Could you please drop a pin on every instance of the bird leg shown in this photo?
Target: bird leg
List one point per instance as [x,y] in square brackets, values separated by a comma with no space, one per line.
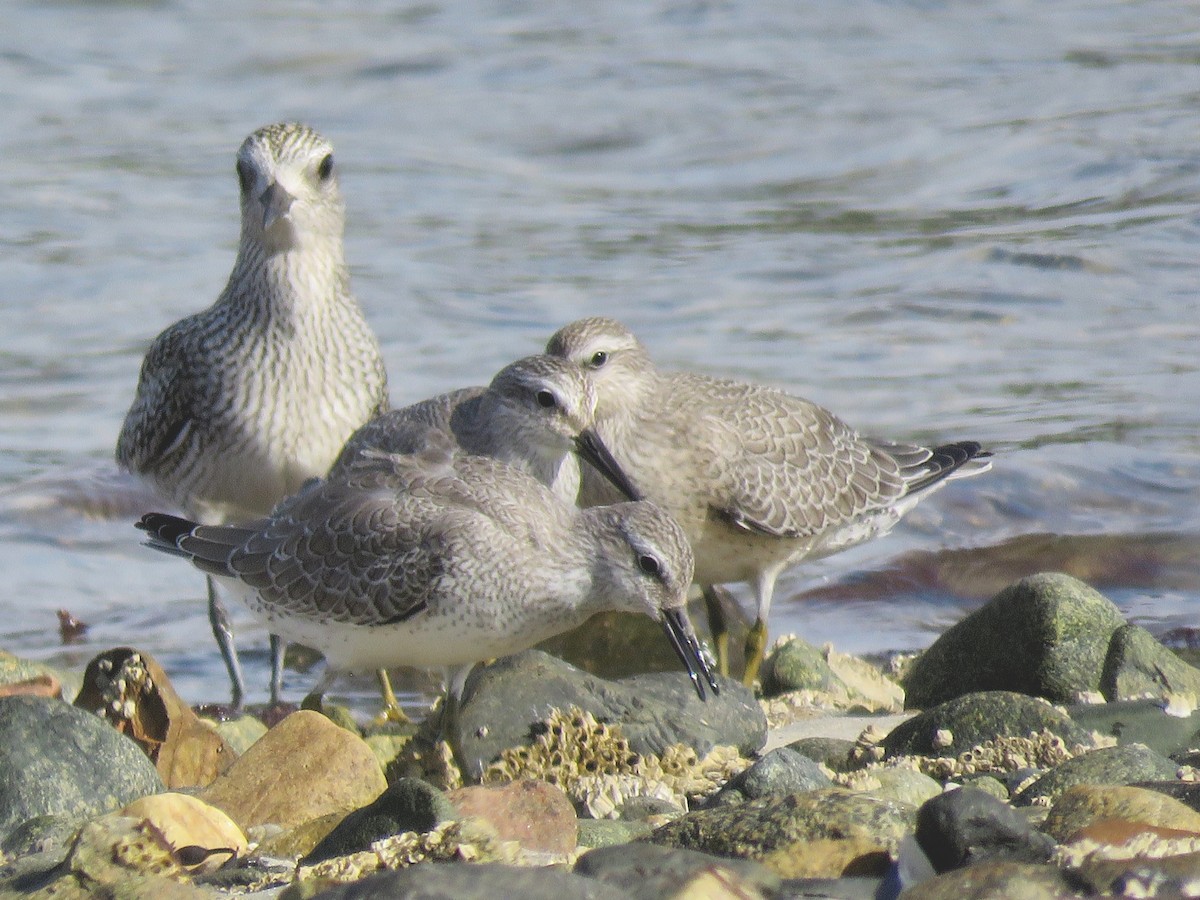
[218,617]
[278,647]
[718,625]
[392,712]
[756,648]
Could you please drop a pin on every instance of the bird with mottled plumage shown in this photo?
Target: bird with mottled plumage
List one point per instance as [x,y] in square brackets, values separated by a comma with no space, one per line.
[759,479]
[238,405]
[536,415]
[442,559]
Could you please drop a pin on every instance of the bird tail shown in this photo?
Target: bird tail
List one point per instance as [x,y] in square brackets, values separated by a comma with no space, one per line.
[923,467]
[165,532]
[208,547]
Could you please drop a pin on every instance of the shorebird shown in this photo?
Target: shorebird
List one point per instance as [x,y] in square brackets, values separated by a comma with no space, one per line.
[536,415]
[759,479]
[442,559]
[238,405]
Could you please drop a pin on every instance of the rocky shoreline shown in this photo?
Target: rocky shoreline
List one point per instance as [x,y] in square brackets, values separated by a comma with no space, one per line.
[1042,747]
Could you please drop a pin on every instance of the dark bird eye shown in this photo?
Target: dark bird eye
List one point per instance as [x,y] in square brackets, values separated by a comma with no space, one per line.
[599,358]
[245,176]
[648,564]
[545,399]
[325,169]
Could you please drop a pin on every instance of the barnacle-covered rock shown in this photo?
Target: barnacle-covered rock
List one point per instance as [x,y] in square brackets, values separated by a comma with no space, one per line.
[594,764]
[131,691]
[463,840]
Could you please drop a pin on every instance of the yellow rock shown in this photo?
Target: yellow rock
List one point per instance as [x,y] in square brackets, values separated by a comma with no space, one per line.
[202,836]
[303,768]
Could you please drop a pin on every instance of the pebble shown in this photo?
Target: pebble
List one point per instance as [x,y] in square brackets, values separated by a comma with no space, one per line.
[780,772]
[300,770]
[967,826]
[406,805]
[538,816]
[203,837]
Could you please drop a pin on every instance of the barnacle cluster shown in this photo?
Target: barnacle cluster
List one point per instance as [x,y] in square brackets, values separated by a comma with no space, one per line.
[466,840]
[1039,750]
[594,764]
[121,686]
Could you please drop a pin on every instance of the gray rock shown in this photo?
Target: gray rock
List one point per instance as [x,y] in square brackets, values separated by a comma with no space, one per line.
[782,771]
[903,784]
[834,753]
[649,872]
[1108,765]
[1140,722]
[485,881]
[1139,666]
[995,879]
[975,718]
[409,804]
[504,701]
[966,826]
[609,832]
[757,827]
[852,887]
[59,760]
[1046,635]
[796,666]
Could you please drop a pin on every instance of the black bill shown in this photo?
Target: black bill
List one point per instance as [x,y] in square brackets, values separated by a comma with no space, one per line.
[683,638]
[589,446]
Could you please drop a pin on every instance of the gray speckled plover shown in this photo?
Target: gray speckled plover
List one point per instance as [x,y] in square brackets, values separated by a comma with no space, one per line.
[238,405]
[758,479]
[442,559]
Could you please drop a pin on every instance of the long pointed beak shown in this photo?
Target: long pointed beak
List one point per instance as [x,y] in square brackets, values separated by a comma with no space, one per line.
[589,446]
[683,638]
[276,203]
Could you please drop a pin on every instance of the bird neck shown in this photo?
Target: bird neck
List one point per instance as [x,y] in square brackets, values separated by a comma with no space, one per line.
[298,281]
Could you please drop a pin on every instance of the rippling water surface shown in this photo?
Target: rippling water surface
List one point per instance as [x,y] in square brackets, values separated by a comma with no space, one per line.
[940,220]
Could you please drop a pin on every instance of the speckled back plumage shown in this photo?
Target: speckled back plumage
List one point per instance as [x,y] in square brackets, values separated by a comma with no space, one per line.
[239,404]
[528,417]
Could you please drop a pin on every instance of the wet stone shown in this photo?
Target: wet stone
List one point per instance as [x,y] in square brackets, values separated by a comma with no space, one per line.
[782,771]
[967,826]
[485,881]
[505,701]
[1139,666]
[56,759]
[1086,804]
[1108,765]
[970,720]
[648,872]
[757,829]
[1046,635]
[407,805]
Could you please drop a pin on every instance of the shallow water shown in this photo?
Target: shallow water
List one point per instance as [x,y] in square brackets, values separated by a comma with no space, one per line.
[939,220]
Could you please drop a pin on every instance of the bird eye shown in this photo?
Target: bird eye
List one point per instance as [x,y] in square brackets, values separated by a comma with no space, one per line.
[325,169]
[245,176]
[545,399]
[648,564]
[599,358]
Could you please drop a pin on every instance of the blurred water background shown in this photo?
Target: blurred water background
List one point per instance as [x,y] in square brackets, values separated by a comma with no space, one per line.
[941,220]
